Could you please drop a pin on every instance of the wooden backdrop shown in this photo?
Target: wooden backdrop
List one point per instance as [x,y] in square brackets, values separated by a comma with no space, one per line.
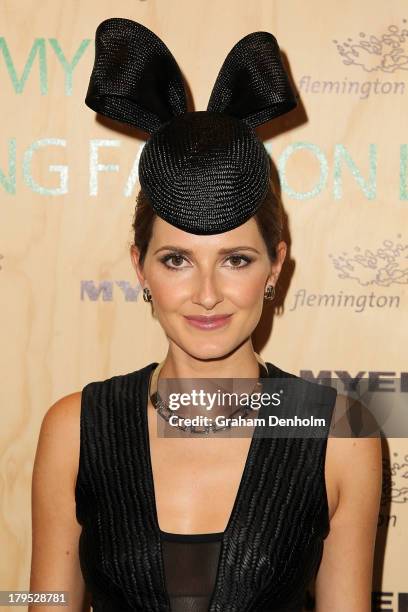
[71,310]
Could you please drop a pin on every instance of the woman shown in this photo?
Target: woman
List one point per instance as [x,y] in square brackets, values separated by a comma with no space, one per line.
[195,523]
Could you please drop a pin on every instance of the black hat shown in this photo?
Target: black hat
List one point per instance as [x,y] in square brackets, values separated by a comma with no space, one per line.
[205,172]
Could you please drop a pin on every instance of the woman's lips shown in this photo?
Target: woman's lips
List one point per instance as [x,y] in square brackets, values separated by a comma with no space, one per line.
[209,322]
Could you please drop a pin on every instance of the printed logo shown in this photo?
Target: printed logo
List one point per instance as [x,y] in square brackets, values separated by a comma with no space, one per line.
[395,480]
[94,291]
[387,53]
[389,600]
[385,266]
[394,489]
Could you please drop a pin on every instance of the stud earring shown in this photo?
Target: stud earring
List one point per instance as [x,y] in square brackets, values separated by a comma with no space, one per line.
[269,293]
[147,296]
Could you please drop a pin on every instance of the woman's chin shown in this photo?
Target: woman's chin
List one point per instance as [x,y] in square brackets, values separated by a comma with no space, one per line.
[208,350]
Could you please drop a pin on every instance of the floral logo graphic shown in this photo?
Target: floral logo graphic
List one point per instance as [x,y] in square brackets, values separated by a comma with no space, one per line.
[387,53]
[395,480]
[388,265]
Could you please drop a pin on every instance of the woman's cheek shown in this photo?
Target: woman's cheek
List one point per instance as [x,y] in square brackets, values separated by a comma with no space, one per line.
[168,292]
[245,292]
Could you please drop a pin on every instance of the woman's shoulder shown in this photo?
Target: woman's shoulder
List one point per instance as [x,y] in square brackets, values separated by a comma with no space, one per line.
[60,430]
[62,416]
[352,419]
[59,437]
[63,413]
[354,458]
[66,411]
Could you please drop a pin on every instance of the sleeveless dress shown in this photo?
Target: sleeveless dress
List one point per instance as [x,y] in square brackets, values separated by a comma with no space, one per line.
[273,543]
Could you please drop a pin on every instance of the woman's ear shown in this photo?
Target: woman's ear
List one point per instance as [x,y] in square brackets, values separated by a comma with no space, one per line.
[281,249]
[135,257]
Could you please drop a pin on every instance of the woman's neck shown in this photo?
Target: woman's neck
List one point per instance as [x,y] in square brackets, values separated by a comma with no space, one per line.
[239,364]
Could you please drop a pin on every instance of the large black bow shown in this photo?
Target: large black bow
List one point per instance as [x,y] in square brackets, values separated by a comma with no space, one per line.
[136,80]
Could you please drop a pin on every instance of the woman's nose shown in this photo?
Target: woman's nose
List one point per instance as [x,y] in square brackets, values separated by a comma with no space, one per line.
[208,291]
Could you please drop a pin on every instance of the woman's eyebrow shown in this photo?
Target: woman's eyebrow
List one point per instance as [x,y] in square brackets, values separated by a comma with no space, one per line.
[221,251]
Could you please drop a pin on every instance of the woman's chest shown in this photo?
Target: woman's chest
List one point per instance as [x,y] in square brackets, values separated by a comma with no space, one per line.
[196,480]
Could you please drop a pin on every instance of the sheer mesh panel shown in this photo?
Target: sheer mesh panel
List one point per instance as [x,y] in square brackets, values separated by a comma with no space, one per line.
[190,566]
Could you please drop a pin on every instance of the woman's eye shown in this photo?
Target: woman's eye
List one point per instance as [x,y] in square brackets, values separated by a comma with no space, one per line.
[238,258]
[172,257]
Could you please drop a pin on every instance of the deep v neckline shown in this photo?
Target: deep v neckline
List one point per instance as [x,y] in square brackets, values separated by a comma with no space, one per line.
[224,535]
[149,457]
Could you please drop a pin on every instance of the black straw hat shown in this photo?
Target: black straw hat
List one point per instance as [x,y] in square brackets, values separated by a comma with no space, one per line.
[205,172]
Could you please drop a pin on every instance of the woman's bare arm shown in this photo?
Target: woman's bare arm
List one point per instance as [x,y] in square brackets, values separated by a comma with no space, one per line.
[344,579]
[55,530]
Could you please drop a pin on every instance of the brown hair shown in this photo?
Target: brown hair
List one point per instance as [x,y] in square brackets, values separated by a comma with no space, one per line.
[269,218]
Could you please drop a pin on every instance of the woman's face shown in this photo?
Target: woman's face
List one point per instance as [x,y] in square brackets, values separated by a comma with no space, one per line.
[192,275]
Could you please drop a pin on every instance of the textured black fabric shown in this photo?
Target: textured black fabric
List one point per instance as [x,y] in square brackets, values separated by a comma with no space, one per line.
[205,172]
[273,542]
[135,78]
[253,84]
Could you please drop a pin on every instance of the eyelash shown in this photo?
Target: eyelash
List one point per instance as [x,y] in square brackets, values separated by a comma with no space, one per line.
[176,255]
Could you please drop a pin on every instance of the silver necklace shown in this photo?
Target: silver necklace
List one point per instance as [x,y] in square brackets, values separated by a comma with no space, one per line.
[165,412]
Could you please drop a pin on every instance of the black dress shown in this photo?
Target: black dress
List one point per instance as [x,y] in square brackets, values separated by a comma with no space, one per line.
[262,562]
